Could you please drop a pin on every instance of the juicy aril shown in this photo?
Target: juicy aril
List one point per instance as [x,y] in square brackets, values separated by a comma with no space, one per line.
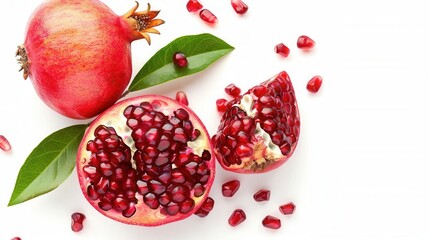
[259,129]
[77,53]
[147,161]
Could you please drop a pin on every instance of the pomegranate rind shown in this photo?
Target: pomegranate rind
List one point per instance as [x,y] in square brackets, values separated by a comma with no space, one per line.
[114,117]
[260,160]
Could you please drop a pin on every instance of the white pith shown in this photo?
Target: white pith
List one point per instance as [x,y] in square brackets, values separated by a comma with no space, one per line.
[271,150]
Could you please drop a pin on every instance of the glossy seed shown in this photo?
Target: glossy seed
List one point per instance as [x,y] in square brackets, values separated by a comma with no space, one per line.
[271,222]
[237,217]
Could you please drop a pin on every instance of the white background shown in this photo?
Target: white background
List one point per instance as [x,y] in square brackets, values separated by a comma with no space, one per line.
[360,170]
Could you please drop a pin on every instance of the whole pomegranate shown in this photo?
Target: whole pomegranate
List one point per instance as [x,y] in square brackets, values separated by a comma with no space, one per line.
[77,53]
[146,161]
[259,129]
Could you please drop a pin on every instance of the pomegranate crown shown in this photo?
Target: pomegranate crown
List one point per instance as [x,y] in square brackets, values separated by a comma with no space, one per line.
[144,22]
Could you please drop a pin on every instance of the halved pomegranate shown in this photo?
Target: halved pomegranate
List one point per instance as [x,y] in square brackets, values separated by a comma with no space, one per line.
[259,130]
[146,161]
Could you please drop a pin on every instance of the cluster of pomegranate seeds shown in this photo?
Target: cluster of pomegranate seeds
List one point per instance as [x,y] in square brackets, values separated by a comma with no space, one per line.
[182,98]
[262,195]
[180,60]
[282,49]
[194,6]
[314,84]
[208,17]
[77,221]
[230,188]
[271,222]
[4,144]
[206,208]
[239,6]
[287,209]
[232,90]
[305,42]
[238,216]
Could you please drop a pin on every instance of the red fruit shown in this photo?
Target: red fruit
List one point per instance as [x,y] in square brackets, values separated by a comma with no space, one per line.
[180,60]
[193,6]
[232,90]
[305,42]
[77,221]
[221,105]
[239,6]
[182,98]
[271,222]
[4,144]
[262,195]
[314,84]
[230,188]
[146,161]
[237,217]
[206,208]
[208,16]
[77,53]
[288,208]
[282,49]
[260,129]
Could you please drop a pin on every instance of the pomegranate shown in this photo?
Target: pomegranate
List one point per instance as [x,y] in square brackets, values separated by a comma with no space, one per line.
[146,161]
[77,53]
[259,130]
[271,222]
[77,221]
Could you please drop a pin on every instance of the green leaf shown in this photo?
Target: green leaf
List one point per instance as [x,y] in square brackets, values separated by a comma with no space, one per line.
[201,51]
[48,165]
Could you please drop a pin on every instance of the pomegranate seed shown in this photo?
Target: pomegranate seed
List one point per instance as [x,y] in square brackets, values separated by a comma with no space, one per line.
[193,6]
[4,144]
[180,60]
[232,90]
[182,98]
[221,105]
[208,16]
[77,221]
[314,84]
[16,238]
[205,209]
[305,42]
[282,49]
[230,188]
[287,209]
[237,217]
[239,6]
[262,195]
[271,222]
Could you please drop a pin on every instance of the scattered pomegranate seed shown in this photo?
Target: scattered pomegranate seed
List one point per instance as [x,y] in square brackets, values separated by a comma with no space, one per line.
[77,221]
[237,217]
[221,105]
[208,16]
[180,60]
[287,209]
[305,42]
[282,49]
[262,195]
[230,188]
[232,90]
[205,209]
[4,144]
[16,238]
[194,6]
[239,6]
[182,98]
[314,84]
[271,222]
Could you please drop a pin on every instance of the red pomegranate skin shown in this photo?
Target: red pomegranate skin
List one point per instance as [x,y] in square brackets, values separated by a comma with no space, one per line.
[79,55]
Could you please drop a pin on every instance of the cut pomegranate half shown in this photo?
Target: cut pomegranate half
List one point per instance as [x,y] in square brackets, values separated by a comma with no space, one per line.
[146,161]
[259,130]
